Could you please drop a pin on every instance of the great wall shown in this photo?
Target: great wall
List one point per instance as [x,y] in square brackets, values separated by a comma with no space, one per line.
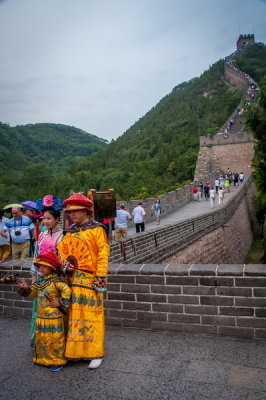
[187,276]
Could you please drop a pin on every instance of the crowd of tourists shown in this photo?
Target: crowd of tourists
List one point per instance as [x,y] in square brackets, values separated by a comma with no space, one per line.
[252,89]
[217,189]
[68,281]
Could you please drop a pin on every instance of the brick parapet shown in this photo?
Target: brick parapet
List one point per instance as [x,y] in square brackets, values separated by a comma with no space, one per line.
[216,299]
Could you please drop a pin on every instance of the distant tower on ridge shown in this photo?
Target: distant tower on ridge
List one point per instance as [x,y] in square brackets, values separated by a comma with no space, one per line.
[245,40]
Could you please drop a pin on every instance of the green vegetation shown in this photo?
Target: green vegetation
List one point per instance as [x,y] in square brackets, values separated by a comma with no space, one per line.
[255,252]
[32,158]
[253,61]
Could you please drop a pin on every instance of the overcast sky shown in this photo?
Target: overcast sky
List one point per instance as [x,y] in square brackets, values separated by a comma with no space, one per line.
[100,65]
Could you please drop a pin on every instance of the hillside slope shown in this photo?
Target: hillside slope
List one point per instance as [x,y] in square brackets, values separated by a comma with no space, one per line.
[31,153]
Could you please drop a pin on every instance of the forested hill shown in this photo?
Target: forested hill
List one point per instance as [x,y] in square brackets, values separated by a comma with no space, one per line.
[32,153]
[159,152]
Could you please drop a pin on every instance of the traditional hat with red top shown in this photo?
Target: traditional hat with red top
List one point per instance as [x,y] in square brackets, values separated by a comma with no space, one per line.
[47,259]
[78,202]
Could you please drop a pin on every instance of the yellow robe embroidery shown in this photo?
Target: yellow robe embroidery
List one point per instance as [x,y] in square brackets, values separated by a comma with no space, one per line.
[85,339]
[49,331]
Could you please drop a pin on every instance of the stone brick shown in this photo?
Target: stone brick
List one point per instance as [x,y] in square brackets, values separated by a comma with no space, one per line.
[23,304]
[130,269]
[115,305]
[121,279]
[230,269]
[165,289]
[6,302]
[201,270]
[250,302]
[121,296]
[216,281]
[113,321]
[234,291]
[200,290]
[123,314]
[207,329]
[127,305]
[178,269]
[250,282]
[113,268]
[252,322]
[211,310]
[114,287]
[218,320]
[261,292]
[171,308]
[167,326]
[131,323]
[216,300]
[13,311]
[237,311]
[11,295]
[153,298]
[260,313]
[153,316]
[151,280]
[191,318]
[155,269]
[182,280]
[183,299]
[236,331]
[260,333]
[255,270]
[128,287]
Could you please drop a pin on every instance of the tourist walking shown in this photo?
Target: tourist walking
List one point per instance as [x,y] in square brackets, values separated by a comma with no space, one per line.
[221,196]
[121,222]
[212,197]
[139,216]
[158,208]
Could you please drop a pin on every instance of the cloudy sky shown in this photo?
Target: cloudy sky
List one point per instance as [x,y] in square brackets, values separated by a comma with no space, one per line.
[102,64]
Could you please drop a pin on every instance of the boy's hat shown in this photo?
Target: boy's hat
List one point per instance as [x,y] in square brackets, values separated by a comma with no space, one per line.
[47,259]
[78,202]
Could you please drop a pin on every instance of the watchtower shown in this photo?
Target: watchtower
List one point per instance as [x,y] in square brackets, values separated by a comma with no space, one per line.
[245,40]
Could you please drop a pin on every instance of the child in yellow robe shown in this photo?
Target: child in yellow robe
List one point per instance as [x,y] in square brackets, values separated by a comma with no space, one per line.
[53,296]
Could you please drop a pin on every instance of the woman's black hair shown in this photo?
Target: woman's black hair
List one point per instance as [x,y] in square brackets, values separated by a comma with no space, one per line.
[2,211]
[54,213]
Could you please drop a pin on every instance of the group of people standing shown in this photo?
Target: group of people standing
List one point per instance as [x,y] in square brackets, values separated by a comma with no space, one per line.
[68,282]
[221,186]
[138,216]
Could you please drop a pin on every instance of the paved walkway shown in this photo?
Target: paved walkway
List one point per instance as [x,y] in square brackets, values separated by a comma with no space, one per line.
[139,365]
[192,209]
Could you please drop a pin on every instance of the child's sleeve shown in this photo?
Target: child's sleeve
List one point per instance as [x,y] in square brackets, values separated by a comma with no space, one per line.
[65,294]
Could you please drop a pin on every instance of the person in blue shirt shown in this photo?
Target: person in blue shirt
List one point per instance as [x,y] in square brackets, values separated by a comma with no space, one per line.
[19,229]
[121,221]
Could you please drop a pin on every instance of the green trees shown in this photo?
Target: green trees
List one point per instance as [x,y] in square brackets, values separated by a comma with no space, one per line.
[256,122]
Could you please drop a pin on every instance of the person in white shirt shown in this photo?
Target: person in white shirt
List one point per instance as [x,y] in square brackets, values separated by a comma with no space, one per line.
[212,197]
[241,177]
[217,184]
[220,196]
[139,218]
[121,221]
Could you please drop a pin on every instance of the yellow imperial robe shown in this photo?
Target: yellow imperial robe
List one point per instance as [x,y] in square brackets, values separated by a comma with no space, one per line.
[49,331]
[87,249]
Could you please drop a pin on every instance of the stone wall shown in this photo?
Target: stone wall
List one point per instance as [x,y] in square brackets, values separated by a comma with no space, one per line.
[170,201]
[160,243]
[223,300]
[227,244]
